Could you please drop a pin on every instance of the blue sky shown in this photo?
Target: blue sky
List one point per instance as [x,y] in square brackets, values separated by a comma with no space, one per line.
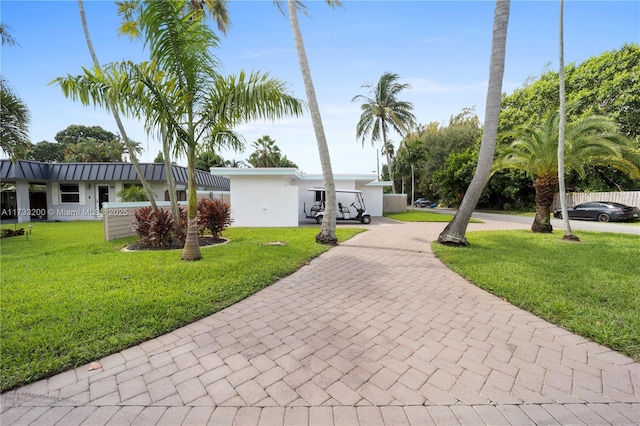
[440,48]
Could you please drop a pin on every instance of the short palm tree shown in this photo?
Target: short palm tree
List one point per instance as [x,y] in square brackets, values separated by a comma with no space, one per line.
[181,93]
[591,140]
[382,111]
[266,154]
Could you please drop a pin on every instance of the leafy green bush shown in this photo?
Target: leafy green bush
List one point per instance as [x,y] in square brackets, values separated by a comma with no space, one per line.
[133,193]
[6,232]
[213,215]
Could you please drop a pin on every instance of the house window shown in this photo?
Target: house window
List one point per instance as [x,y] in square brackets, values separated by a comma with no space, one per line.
[69,193]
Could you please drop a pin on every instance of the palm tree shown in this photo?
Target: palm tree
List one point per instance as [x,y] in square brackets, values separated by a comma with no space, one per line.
[129,11]
[454,232]
[411,151]
[14,123]
[238,164]
[591,140]
[14,114]
[568,233]
[111,105]
[327,234]
[383,111]
[181,92]
[266,154]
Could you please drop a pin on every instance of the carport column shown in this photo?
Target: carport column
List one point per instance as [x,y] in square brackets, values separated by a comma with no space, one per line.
[22,201]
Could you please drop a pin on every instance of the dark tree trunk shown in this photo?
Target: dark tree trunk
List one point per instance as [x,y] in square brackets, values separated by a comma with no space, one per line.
[545,190]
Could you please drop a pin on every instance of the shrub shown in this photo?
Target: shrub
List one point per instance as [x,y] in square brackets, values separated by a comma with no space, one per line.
[142,221]
[7,233]
[213,215]
[133,193]
[161,230]
[156,229]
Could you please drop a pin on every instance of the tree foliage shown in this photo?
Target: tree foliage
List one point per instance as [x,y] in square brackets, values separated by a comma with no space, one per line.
[48,152]
[268,154]
[606,85]
[14,114]
[453,179]
[436,143]
[590,140]
[207,159]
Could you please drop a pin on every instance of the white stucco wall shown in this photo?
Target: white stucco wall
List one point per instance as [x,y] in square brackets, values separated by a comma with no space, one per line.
[267,201]
[373,199]
[273,197]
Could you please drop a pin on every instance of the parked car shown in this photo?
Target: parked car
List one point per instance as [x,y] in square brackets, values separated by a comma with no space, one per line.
[602,211]
[422,202]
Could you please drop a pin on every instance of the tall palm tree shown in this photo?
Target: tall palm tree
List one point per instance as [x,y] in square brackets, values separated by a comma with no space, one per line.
[327,234]
[14,114]
[116,115]
[181,92]
[382,111]
[129,11]
[568,233]
[454,232]
[591,140]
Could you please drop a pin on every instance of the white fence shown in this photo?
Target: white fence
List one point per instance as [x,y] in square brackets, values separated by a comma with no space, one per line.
[630,198]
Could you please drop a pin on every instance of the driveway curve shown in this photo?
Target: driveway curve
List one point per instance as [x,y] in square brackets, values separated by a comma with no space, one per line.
[375,331]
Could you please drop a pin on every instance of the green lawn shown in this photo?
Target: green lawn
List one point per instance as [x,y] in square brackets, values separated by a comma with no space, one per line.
[591,287]
[423,216]
[68,297]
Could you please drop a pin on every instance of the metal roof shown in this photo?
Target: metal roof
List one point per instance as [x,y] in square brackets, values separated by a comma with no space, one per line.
[98,172]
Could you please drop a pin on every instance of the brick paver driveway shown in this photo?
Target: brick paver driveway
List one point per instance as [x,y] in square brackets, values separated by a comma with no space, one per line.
[375,331]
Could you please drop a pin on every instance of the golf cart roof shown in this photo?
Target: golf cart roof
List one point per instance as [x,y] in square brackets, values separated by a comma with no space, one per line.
[350,191]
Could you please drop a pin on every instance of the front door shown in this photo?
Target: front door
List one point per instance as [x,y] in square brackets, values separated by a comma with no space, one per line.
[103,195]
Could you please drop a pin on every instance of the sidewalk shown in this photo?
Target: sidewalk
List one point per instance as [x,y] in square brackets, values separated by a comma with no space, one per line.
[375,331]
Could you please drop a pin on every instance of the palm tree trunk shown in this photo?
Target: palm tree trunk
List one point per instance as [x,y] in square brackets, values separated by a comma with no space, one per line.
[454,232]
[327,233]
[116,115]
[191,250]
[171,182]
[413,187]
[568,234]
[545,187]
[388,155]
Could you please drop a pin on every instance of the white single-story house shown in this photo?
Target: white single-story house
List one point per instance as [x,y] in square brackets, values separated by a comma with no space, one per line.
[277,197]
[76,191]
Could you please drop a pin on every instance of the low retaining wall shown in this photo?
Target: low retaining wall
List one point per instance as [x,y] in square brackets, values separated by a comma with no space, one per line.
[118,218]
[394,203]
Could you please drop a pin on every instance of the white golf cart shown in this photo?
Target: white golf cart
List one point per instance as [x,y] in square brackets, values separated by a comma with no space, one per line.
[344,212]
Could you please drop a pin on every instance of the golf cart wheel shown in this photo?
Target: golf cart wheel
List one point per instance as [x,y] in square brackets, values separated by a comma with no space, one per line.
[366,219]
[319,218]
